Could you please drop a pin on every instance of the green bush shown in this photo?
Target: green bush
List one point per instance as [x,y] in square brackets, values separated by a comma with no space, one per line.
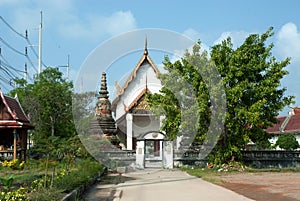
[46,194]
[85,172]
[287,141]
[20,195]
[64,182]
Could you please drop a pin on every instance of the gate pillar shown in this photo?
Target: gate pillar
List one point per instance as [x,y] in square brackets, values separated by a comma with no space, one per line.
[168,160]
[140,154]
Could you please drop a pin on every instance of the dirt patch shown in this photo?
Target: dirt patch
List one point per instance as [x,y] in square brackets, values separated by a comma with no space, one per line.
[264,186]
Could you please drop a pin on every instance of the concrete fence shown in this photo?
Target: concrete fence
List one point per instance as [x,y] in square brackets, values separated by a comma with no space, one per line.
[255,158]
[271,158]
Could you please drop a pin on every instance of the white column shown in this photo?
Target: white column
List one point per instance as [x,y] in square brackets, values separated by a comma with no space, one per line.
[140,154]
[129,119]
[168,160]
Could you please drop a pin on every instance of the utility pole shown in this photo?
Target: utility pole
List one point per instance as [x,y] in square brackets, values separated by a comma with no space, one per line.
[40,46]
[25,72]
[66,66]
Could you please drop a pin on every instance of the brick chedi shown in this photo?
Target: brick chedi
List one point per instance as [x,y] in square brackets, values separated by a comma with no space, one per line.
[103,112]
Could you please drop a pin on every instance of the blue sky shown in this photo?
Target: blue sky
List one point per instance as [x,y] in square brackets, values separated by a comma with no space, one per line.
[77,27]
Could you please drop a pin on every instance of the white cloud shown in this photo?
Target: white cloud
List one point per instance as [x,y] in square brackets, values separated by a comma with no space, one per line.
[195,36]
[192,34]
[288,42]
[237,37]
[61,17]
[95,26]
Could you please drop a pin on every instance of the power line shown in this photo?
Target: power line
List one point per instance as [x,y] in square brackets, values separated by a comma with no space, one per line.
[33,50]
[28,44]
[10,47]
[11,28]
[7,64]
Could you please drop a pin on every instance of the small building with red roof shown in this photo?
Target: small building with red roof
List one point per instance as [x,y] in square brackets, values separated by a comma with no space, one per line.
[14,126]
[286,124]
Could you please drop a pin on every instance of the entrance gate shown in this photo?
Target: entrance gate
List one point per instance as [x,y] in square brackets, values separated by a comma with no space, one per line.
[154,151]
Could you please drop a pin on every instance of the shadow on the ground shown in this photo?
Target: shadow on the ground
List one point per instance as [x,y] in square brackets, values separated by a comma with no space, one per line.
[104,189]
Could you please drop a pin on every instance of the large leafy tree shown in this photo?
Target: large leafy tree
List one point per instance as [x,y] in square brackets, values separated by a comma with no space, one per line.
[254,96]
[251,78]
[48,102]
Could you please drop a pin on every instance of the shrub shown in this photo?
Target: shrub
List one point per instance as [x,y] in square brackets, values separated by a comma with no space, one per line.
[14,164]
[20,195]
[287,141]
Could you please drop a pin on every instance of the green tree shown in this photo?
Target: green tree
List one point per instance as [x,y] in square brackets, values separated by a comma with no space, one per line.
[83,110]
[254,95]
[251,77]
[287,141]
[184,98]
[48,101]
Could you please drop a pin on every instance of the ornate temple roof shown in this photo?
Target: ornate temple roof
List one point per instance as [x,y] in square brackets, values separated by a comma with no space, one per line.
[12,114]
[144,59]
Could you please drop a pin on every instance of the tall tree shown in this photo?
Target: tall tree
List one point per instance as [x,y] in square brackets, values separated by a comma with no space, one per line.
[48,101]
[254,94]
[251,78]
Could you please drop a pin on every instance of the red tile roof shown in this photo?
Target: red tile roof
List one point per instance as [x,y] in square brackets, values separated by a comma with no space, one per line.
[293,124]
[276,127]
[17,118]
[286,124]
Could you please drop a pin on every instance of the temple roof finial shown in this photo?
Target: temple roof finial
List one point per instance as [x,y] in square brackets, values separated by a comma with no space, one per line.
[146,50]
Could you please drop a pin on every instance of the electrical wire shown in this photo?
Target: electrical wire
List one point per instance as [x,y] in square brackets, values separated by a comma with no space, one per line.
[11,28]
[5,66]
[10,47]
[33,50]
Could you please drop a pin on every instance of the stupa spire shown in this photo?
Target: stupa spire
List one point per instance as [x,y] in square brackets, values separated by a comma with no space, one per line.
[103,109]
[103,93]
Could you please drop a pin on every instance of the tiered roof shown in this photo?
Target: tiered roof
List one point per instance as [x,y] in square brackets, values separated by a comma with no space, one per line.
[11,113]
[144,59]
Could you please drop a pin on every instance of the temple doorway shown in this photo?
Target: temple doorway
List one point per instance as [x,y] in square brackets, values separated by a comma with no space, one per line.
[153,153]
[154,150]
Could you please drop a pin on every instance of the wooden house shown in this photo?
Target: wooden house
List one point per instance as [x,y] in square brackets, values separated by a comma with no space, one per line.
[14,126]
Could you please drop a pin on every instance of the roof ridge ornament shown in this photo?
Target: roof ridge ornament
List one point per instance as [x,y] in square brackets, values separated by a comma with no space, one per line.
[146,44]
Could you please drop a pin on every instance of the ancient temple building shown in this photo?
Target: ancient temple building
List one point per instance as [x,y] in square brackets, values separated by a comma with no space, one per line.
[138,128]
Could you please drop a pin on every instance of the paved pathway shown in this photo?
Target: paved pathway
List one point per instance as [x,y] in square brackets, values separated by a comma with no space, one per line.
[162,185]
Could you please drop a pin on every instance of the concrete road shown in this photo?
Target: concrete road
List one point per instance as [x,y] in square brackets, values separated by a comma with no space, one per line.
[170,185]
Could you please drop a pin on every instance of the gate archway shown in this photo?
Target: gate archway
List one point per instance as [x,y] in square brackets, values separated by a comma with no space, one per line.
[154,150]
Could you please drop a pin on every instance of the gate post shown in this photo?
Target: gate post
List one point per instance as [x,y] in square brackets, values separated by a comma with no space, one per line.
[168,154]
[140,154]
